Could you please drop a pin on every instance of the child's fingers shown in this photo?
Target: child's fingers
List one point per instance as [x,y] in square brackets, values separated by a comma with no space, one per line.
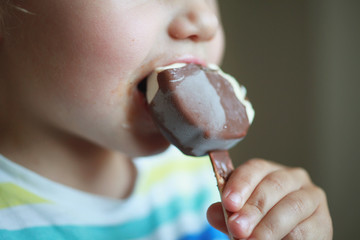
[243,181]
[288,213]
[317,226]
[215,216]
[274,187]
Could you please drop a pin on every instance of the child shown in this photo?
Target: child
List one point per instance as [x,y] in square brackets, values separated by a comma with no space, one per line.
[75,132]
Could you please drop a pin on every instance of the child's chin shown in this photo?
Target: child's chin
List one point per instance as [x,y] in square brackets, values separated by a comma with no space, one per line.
[151,146]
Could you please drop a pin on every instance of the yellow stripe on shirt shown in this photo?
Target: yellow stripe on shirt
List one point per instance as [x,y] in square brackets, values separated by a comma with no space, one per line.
[180,163]
[13,195]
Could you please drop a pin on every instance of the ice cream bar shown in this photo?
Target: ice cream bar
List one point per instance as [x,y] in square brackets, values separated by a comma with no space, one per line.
[201,110]
[197,108]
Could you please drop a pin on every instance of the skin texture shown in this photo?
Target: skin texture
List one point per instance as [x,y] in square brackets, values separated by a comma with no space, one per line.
[70,108]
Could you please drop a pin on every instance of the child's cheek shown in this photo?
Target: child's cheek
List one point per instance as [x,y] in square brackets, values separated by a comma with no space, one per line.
[113,47]
[104,53]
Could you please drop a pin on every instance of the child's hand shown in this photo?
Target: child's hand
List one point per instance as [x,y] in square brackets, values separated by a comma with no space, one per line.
[270,201]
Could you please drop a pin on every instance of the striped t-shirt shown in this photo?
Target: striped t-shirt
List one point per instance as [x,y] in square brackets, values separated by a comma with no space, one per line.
[169,202]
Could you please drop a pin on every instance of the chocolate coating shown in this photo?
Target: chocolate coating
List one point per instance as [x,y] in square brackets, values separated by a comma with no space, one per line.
[197,110]
[222,166]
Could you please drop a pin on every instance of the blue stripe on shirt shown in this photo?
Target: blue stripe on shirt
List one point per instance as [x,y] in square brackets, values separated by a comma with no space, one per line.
[137,228]
[210,233]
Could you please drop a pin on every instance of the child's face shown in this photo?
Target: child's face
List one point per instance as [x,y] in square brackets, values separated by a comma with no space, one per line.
[75,65]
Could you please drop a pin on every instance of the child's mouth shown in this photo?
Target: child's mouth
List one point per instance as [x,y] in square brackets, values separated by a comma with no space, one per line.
[142,86]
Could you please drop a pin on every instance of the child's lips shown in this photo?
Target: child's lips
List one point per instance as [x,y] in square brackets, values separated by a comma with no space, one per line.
[189,59]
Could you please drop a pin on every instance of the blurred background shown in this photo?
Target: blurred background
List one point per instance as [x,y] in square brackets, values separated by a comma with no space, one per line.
[300,61]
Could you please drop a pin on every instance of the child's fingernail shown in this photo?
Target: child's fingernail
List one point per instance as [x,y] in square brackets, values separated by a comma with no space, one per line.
[241,221]
[235,198]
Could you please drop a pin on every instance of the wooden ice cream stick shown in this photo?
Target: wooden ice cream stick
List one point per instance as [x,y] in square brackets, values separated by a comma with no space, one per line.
[223,167]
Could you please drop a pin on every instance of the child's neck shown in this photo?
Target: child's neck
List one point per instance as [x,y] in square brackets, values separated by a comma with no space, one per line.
[69,160]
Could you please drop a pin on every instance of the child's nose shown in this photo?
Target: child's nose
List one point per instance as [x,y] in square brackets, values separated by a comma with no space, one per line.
[197,21]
